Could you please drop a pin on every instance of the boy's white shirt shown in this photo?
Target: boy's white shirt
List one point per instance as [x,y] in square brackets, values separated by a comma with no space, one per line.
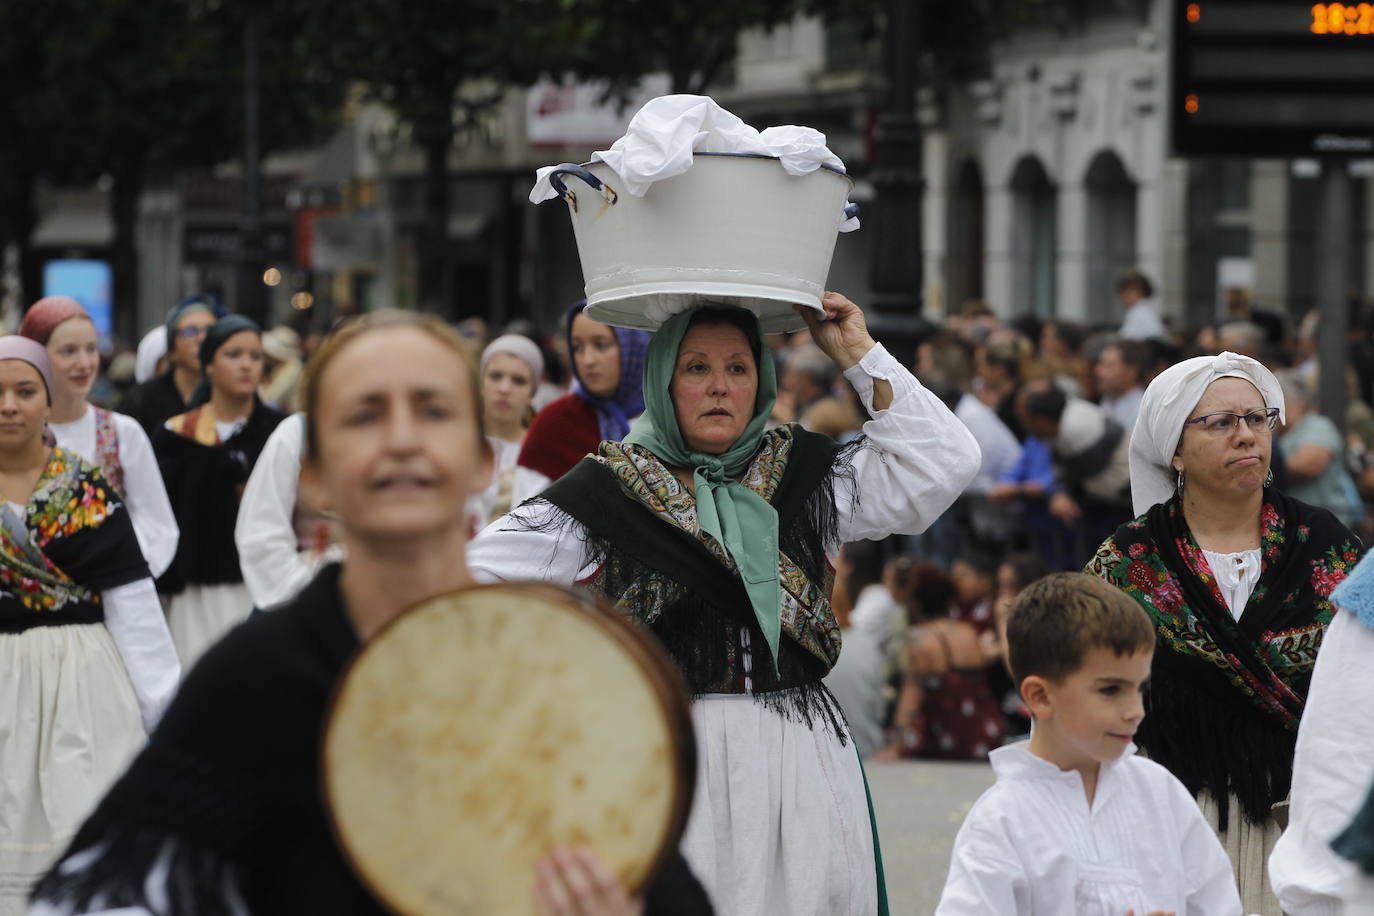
[1032,845]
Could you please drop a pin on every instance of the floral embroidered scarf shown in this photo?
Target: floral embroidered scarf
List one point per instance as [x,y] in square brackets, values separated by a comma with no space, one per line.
[66,503]
[1227,695]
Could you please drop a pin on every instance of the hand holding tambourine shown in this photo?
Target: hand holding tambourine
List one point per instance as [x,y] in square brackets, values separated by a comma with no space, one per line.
[485,740]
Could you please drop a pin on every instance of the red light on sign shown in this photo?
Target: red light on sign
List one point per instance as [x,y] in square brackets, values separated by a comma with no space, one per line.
[1190,104]
[1194,12]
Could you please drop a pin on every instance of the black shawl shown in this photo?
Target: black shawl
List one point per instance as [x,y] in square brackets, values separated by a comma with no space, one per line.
[204,484]
[228,789]
[670,581]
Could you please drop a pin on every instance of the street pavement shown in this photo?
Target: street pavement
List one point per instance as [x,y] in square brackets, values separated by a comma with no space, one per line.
[920,805]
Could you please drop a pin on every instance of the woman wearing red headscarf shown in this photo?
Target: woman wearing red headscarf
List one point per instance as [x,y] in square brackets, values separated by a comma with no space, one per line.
[113,441]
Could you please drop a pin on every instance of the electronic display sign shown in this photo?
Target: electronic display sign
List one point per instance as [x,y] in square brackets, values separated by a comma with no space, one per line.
[1267,78]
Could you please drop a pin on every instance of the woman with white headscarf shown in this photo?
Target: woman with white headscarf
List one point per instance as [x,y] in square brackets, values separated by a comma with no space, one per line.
[1236,577]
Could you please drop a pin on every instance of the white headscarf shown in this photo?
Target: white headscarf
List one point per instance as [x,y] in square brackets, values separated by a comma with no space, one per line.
[151,348]
[1168,401]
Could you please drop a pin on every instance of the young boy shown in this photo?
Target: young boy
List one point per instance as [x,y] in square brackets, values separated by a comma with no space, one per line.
[1076,822]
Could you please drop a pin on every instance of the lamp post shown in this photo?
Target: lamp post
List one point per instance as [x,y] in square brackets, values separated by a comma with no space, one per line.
[251,299]
[896,267]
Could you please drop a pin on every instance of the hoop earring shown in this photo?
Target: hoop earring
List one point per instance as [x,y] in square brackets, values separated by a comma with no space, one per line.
[1178,485]
[1269,478]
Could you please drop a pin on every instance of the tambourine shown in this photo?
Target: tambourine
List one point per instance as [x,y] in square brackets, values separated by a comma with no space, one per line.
[483,727]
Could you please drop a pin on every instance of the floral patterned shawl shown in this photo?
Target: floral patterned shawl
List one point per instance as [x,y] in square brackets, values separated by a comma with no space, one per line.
[72,539]
[1227,694]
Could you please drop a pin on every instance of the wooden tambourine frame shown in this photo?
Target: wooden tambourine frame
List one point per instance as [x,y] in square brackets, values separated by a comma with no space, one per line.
[481,728]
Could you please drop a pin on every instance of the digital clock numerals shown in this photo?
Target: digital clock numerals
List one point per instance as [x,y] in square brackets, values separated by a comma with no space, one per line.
[1342,19]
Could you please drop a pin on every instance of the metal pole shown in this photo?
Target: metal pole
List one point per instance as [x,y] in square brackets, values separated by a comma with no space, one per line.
[251,299]
[1333,273]
[895,213]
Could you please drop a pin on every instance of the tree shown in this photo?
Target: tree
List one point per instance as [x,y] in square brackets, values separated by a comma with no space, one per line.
[415,58]
[149,86]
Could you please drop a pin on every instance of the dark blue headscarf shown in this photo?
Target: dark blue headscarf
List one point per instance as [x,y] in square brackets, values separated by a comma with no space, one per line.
[215,337]
[613,414]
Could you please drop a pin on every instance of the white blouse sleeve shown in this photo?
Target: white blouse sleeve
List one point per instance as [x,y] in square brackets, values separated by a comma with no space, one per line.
[146,497]
[916,461]
[134,617]
[535,542]
[273,567]
[1330,771]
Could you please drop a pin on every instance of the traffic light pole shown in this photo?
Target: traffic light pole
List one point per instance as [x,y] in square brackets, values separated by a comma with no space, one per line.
[1333,272]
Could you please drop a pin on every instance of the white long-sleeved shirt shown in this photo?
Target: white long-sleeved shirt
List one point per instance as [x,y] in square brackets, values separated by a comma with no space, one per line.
[917,461]
[1032,845]
[134,617]
[274,567]
[1331,772]
[145,497]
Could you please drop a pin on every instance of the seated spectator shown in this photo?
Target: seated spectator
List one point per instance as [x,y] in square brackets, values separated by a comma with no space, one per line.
[1061,352]
[870,631]
[808,376]
[1314,454]
[1000,368]
[1142,320]
[1122,371]
[1092,468]
[945,707]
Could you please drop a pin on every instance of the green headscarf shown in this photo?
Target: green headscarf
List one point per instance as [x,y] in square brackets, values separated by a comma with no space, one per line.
[744,523]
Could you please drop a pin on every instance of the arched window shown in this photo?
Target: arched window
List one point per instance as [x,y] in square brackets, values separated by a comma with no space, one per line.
[1111,247]
[964,232]
[1033,246]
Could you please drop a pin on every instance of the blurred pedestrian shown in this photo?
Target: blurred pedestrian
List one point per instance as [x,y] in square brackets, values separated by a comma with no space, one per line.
[206,456]
[1314,454]
[282,368]
[608,393]
[88,663]
[165,396]
[511,367]
[1334,759]
[225,811]
[1136,294]
[114,442]
[1122,371]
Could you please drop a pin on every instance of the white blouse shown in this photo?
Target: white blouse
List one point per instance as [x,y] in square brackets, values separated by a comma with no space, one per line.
[145,496]
[1331,772]
[274,567]
[1033,846]
[916,462]
[1237,575]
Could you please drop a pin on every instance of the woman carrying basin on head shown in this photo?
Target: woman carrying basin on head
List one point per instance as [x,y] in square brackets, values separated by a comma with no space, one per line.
[713,532]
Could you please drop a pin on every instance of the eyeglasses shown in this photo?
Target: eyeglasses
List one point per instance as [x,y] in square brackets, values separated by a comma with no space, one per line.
[192,332]
[1222,424]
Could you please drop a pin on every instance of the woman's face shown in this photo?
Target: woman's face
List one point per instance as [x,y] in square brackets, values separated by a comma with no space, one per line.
[75,356]
[190,331]
[23,404]
[399,448]
[596,352]
[714,388]
[236,369]
[507,389]
[1231,464]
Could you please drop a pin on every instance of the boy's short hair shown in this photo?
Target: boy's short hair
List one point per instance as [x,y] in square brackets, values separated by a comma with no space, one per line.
[1057,620]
